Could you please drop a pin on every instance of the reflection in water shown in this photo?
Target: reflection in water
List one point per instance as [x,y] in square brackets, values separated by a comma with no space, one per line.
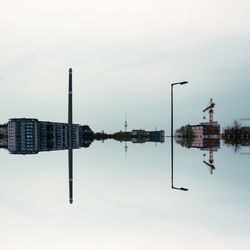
[30,136]
[172,136]
[210,145]
[172,168]
[205,136]
[236,136]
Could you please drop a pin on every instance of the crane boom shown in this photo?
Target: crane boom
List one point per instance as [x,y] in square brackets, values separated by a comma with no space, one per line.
[210,111]
[212,104]
[209,107]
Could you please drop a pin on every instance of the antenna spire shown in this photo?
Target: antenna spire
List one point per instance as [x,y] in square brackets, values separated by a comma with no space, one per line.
[125,123]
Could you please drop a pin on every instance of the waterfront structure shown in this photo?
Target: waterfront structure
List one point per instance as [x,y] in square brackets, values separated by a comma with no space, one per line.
[141,136]
[205,131]
[29,136]
[23,136]
[207,138]
[3,136]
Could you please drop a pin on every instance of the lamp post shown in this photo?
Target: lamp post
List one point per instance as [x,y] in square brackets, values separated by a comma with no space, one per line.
[172,137]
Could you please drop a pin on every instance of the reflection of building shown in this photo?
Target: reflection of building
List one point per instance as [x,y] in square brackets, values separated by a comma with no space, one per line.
[29,136]
[207,138]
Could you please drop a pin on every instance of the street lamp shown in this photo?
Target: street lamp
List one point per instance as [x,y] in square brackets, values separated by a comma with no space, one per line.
[172,138]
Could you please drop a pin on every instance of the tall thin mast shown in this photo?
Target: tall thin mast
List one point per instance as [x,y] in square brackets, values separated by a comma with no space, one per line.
[70,150]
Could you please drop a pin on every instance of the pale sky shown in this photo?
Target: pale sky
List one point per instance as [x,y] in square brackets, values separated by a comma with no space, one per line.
[124,55]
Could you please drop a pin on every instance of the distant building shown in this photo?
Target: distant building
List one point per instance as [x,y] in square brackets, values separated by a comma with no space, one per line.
[139,133]
[29,136]
[23,136]
[203,132]
[141,136]
[3,136]
[55,136]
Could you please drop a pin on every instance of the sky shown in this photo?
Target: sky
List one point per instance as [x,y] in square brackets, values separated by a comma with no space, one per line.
[124,55]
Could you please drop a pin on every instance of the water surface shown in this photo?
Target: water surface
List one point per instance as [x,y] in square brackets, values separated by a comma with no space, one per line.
[124,200]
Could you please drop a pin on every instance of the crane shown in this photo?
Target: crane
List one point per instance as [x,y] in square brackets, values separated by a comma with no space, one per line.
[210,162]
[210,110]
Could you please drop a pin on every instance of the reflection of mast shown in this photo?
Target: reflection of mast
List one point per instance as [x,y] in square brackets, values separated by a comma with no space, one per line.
[70,151]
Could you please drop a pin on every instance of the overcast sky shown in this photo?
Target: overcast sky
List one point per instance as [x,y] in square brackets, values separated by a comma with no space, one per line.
[124,55]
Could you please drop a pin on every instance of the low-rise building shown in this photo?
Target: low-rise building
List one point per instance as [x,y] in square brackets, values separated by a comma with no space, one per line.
[141,136]
[3,136]
[205,131]
[29,136]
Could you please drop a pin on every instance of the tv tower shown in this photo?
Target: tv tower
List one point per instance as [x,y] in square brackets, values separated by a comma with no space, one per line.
[126,123]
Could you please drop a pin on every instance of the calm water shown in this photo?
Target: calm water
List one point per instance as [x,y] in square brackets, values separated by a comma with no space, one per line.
[125,201]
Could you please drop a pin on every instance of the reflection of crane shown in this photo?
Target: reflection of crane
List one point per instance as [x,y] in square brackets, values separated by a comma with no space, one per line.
[210,162]
[209,108]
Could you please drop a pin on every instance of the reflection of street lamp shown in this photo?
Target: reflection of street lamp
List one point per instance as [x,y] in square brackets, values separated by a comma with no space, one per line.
[172,137]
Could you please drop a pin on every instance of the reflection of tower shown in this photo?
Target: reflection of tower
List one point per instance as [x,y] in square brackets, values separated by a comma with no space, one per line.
[70,151]
[126,149]
[126,123]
